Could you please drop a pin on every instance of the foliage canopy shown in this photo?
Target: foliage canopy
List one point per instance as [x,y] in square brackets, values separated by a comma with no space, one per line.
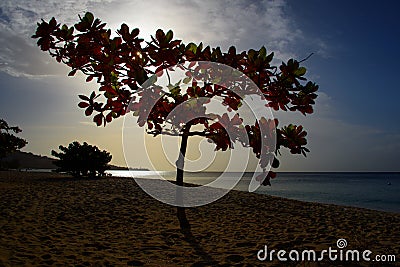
[121,63]
[82,160]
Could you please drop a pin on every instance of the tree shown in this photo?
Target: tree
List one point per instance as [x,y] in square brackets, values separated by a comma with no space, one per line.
[9,143]
[126,69]
[82,160]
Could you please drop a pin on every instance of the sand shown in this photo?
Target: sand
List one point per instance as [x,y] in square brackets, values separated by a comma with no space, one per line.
[54,220]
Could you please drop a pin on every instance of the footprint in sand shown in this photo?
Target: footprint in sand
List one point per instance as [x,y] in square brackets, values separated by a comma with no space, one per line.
[135,263]
[234,258]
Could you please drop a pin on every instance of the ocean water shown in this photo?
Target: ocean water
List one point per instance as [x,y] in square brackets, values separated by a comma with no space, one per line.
[378,191]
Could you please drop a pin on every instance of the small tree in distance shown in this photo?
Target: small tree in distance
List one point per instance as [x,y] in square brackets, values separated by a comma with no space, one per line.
[9,143]
[122,64]
[82,160]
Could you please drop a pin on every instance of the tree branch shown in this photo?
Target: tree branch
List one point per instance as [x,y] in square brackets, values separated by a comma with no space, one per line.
[197,133]
[178,134]
[310,55]
[166,71]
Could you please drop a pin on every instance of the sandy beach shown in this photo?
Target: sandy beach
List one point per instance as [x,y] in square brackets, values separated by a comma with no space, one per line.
[54,220]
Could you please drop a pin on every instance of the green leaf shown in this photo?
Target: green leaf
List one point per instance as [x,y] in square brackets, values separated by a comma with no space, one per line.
[300,71]
[114,77]
[262,53]
[191,47]
[169,35]
[251,54]
[70,32]
[187,80]
[109,95]
[175,90]
[217,80]
[89,17]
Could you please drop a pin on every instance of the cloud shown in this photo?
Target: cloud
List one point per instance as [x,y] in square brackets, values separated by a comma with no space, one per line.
[19,56]
[20,16]
[217,23]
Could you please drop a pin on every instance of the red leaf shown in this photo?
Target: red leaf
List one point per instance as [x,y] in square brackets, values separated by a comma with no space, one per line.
[98,119]
[272,174]
[160,68]
[83,97]
[191,65]
[89,78]
[72,73]
[124,30]
[135,32]
[109,117]
[160,35]
[160,73]
[83,104]
[89,111]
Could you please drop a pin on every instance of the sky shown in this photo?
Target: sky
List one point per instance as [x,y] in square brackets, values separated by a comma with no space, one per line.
[355,126]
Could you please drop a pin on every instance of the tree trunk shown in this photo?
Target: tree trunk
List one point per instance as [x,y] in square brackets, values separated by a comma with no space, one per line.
[180,163]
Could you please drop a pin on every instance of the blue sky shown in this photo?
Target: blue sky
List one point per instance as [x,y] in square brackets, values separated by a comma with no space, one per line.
[356,63]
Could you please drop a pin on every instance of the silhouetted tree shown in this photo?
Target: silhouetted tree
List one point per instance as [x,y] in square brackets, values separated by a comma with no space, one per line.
[9,143]
[82,160]
[122,64]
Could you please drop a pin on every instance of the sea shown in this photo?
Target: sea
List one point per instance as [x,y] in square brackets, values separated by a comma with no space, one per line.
[371,190]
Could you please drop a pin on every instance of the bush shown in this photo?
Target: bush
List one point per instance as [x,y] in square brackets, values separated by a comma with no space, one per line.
[82,160]
[9,143]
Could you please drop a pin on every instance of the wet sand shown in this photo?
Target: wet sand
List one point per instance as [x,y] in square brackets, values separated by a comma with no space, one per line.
[53,220]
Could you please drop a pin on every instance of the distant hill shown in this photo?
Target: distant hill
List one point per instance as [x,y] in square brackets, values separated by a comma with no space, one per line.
[24,160]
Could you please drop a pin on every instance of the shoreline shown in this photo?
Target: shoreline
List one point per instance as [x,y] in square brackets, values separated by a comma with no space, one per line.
[289,195]
[50,219]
